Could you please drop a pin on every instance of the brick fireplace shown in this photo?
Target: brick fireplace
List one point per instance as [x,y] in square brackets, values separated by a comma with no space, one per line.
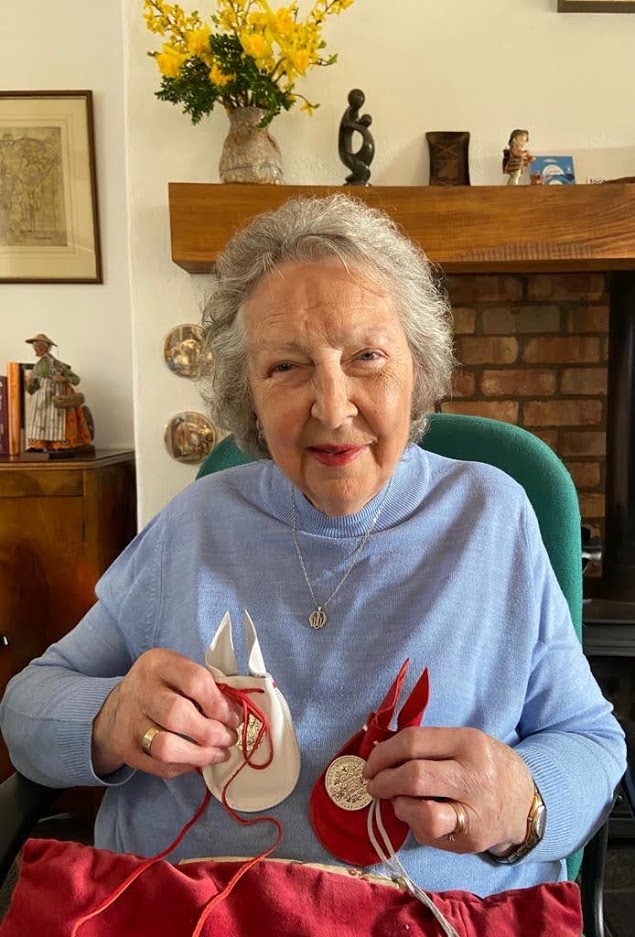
[533,350]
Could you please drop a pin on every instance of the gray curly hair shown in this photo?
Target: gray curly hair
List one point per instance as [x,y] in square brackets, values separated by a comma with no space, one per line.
[307,230]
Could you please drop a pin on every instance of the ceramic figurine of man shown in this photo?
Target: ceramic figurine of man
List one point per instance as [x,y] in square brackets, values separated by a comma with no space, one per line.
[57,422]
[516,156]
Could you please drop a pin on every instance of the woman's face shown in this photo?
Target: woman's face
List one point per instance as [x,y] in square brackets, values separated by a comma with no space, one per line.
[331,377]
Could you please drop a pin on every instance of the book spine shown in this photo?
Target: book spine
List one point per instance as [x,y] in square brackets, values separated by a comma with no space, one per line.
[14,406]
[4,417]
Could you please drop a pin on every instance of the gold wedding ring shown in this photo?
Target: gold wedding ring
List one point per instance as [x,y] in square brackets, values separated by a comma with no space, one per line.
[148,738]
[461,821]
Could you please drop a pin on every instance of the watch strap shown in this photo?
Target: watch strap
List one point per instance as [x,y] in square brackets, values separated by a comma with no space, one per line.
[536,820]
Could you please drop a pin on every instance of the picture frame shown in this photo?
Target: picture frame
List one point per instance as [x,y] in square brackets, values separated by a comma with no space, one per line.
[49,221]
[596,6]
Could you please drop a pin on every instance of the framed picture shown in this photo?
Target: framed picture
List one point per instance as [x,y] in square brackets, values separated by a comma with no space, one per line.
[49,226]
[596,6]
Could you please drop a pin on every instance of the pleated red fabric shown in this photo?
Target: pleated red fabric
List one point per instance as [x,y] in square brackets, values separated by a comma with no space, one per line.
[61,882]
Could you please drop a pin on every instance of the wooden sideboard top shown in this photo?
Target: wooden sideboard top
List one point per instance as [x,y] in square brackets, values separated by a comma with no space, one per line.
[40,462]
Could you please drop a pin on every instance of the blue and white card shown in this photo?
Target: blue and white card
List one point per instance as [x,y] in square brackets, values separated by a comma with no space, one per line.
[552,170]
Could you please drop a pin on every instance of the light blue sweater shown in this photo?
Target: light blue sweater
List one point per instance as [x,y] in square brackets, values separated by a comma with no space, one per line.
[454,576]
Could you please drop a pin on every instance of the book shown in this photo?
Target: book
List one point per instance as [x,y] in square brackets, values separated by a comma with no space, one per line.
[18,405]
[26,402]
[552,170]
[4,417]
[14,406]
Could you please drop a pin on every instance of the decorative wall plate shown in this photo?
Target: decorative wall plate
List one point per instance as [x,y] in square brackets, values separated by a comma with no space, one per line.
[182,351]
[189,437]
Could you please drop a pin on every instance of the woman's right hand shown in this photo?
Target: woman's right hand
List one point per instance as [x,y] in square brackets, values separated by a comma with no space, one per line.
[180,697]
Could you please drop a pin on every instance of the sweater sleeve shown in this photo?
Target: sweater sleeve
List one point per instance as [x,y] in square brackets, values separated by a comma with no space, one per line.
[570,740]
[48,709]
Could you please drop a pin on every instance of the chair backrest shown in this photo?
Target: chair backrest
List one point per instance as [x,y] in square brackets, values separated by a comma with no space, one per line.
[527,459]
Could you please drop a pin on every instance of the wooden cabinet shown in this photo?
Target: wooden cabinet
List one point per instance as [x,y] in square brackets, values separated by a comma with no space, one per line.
[62,523]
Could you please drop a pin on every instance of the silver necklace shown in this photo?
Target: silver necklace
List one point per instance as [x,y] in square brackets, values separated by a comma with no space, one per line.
[317,618]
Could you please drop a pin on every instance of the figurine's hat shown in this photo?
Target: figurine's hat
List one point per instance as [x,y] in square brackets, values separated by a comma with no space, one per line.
[40,337]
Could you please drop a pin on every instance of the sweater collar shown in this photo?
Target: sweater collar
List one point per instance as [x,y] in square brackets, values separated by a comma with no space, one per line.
[409,485]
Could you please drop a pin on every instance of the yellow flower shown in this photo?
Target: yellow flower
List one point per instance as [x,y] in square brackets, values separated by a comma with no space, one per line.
[218,77]
[198,41]
[299,60]
[282,22]
[255,45]
[169,61]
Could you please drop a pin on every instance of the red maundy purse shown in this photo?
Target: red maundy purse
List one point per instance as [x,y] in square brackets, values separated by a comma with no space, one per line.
[339,804]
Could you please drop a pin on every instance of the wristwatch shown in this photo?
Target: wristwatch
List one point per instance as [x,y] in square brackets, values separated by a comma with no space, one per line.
[536,822]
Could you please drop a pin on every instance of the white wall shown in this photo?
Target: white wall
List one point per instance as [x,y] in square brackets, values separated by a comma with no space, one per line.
[75,45]
[424,65]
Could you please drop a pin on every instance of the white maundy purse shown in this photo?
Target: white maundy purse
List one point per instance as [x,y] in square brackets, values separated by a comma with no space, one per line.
[252,789]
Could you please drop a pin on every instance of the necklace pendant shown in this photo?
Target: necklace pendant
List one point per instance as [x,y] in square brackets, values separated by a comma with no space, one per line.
[318,619]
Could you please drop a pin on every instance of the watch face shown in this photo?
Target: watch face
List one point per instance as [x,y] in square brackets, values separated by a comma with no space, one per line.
[536,823]
[539,821]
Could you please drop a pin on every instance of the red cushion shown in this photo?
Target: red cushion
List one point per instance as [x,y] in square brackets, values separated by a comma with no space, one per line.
[60,882]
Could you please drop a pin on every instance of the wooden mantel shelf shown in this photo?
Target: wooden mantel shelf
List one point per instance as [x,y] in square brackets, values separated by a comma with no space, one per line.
[466,229]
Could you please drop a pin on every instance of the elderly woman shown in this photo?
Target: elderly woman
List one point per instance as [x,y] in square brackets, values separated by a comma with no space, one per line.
[352,549]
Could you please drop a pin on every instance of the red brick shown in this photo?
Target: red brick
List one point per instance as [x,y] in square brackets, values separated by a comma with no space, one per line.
[463,383]
[506,410]
[584,443]
[562,412]
[588,319]
[567,286]
[464,320]
[591,505]
[482,288]
[586,475]
[518,382]
[605,349]
[488,350]
[506,320]
[567,350]
[549,436]
[583,381]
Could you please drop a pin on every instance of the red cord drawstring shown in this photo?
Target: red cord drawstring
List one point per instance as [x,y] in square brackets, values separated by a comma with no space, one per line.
[241,696]
[249,708]
[140,869]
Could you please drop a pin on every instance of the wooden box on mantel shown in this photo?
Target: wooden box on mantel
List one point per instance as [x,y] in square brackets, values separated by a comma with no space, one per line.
[465,229]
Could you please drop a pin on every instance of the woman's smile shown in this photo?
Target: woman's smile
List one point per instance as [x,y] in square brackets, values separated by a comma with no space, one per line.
[336,455]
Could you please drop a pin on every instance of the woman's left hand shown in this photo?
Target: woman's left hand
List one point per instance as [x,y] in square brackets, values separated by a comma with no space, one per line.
[421,769]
